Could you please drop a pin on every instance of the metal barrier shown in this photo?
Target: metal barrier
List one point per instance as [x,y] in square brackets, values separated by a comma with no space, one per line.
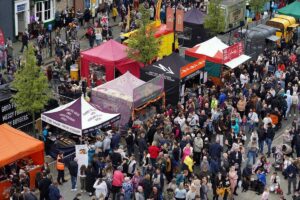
[67,159]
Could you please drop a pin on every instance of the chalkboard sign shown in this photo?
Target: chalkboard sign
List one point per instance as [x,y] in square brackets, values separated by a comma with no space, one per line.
[9,115]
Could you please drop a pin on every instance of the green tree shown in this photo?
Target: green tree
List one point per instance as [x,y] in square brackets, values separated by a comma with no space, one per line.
[257,6]
[143,46]
[32,86]
[215,19]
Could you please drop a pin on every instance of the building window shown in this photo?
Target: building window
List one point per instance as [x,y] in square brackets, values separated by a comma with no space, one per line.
[44,10]
[47,11]
[39,11]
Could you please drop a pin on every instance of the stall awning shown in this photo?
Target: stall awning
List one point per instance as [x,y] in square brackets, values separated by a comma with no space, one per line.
[237,61]
[78,117]
[273,38]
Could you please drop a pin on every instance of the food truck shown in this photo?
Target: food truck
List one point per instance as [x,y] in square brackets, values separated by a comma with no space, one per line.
[285,25]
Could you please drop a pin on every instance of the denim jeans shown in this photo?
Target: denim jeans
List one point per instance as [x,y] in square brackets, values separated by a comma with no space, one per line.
[261,146]
[269,143]
[251,157]
[73,181]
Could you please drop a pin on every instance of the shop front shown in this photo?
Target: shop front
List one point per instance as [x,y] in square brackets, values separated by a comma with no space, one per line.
[22,16]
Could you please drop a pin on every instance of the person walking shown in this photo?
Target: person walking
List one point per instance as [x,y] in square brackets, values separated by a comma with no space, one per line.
[60,166]
[82,178]
[117,182]
[291,172]
[43,186]
[25,39]
[101,189]
[54,193]
[73,169]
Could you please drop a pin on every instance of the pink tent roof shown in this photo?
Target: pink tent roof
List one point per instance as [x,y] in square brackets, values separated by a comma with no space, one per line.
[110,51]
[121,87]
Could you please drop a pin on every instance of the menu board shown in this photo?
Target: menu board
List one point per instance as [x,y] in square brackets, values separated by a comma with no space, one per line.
[9,114]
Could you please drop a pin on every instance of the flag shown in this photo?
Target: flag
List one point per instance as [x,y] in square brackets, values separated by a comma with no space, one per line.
[170,18]
[158,6]
[179,20]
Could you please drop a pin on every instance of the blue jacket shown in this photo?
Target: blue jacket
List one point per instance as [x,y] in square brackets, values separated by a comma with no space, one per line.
[222,98]
[262,178]
[54,193]
[291,171]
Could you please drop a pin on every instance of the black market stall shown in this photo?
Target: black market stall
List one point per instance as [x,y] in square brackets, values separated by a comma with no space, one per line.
[194,31]
[177,73]
[77,117]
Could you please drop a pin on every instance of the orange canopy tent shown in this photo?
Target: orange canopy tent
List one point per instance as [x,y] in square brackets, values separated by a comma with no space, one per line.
[16,145]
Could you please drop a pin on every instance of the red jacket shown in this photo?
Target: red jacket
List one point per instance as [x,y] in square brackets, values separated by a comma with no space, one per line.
[153,151]
[118,178]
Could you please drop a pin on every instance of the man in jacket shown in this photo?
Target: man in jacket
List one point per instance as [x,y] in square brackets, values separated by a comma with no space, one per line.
[197,147]
[142,144]
[270,134]
[291,171]
[54,193]
[215,150]
[25,39]
[73,169]
[44,185]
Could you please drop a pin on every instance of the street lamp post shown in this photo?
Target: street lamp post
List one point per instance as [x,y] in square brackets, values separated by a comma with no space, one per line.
[174,27]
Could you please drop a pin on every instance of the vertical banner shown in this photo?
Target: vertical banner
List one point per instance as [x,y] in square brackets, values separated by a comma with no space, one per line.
[179,20]
[82,155]
[158,6]
[170,18]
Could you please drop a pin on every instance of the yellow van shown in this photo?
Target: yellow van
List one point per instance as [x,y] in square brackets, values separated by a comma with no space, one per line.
[285,25]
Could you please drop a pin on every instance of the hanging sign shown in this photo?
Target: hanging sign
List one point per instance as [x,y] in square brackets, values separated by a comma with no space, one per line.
[170,18]
[179,20]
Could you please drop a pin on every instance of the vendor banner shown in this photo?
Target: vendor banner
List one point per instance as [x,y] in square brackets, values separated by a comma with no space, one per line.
[148,91]
[191,68]
[81,152]
[170,18]
[233,52]
[179,20]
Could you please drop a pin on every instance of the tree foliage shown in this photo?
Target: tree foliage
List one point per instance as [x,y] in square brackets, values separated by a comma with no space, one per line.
[143,46]
[31,84]
[257,5]
[215,19]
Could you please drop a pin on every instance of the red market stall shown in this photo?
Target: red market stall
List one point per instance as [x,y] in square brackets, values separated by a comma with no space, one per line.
[102,63]
[217,54]
[18,149]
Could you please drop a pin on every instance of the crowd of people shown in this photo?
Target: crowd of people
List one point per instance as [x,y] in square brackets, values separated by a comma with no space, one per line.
[211,144]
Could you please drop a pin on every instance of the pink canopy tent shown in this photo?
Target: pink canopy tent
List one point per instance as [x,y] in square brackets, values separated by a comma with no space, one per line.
[112,55]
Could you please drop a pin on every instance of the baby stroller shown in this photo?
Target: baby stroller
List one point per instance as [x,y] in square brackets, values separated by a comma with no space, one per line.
[279,158]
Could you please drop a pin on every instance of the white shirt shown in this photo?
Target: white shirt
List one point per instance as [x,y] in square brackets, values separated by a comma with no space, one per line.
[253,117]
[266,121]
[100,189]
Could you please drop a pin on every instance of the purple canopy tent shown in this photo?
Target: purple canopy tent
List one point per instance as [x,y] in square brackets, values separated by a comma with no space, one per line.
[125,93]
[78,117]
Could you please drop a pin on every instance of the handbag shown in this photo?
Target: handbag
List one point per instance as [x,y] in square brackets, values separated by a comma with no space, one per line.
[220,191]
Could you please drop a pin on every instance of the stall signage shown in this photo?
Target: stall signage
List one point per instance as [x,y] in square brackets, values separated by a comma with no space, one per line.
[170,18]
[191,68]
[21,7]
[9,115]
[233,52]
[179,20]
